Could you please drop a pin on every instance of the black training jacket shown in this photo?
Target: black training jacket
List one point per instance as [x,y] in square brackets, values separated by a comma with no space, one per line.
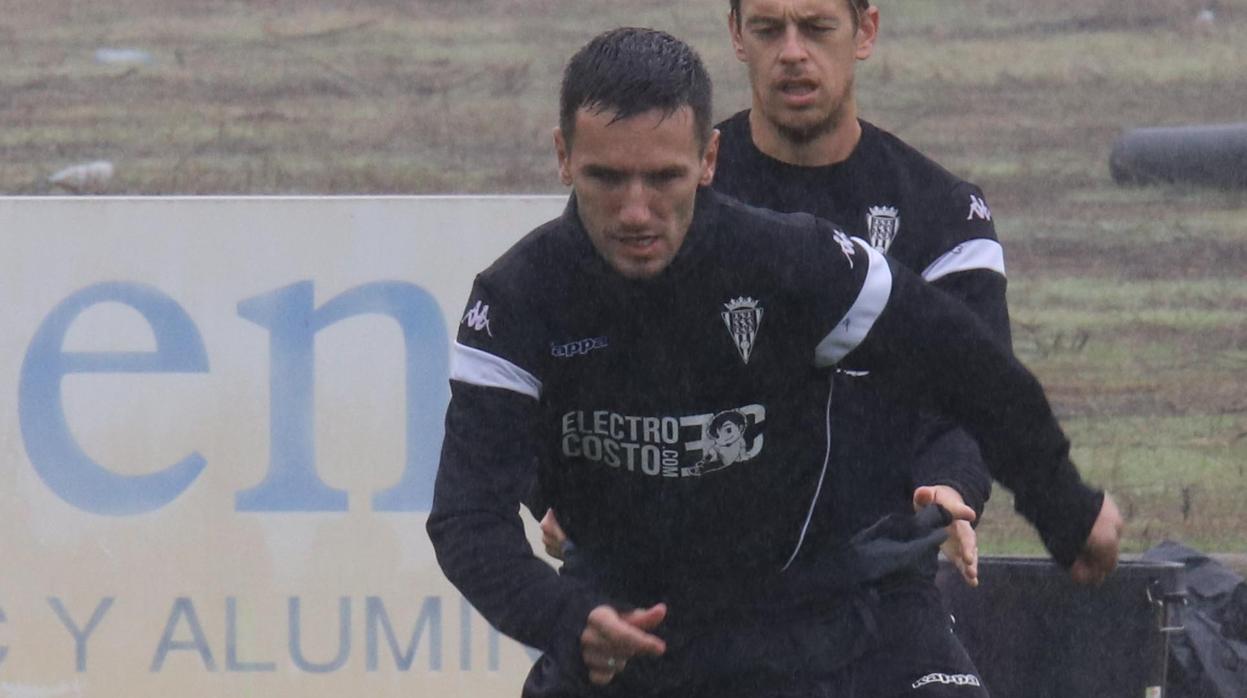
[932,222]
[683,419]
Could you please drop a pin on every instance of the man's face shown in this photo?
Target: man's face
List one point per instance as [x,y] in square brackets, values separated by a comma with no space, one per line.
[801,55]
[636,182]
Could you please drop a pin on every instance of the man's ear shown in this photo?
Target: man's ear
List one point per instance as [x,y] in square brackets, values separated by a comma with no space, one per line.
[733,30]
[867,32]
[710,159]
[564,154]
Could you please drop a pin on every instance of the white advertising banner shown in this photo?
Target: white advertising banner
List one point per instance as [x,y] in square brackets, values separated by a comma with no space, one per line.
[221,422]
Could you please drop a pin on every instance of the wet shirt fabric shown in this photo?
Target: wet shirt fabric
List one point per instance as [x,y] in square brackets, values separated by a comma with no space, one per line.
[683,419]
[930,221]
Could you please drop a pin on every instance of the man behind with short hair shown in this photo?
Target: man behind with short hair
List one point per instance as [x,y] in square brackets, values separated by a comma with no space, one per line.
[802,147]
[698,582]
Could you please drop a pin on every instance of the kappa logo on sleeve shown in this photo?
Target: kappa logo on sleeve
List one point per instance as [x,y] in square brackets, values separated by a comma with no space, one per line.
[477,318]
[979,209]
[846,246]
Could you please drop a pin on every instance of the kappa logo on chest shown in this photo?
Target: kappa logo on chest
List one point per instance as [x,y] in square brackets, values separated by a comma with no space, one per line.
[580,347]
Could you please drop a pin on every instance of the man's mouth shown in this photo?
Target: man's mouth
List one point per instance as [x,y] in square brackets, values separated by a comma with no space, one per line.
[797,91]
[637,243]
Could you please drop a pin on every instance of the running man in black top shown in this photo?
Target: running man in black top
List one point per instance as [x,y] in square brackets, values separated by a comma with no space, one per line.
[684,306]
[801,147]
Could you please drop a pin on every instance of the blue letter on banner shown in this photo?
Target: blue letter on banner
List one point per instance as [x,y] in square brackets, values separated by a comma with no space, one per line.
[55,455]
[292,483]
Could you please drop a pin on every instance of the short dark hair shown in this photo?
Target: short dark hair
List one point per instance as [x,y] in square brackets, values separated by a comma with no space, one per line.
[629,71]
[859,6]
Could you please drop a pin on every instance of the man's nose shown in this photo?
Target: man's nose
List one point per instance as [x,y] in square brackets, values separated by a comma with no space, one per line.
[793,49]
[635,209]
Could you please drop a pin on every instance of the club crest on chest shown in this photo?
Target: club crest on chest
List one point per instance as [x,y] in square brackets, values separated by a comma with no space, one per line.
[743,316]
[882,223]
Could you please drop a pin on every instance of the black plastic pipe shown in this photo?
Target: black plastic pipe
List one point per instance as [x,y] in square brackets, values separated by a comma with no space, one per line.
[1213,154]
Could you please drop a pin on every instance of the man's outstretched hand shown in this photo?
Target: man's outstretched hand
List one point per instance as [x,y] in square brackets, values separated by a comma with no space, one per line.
[962,544]
[1099,556]
[611,638]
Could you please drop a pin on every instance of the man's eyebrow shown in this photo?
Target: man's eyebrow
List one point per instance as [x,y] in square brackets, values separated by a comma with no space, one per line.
[812,16]
[598,170]
[815,18]
[756,20]
[669,171]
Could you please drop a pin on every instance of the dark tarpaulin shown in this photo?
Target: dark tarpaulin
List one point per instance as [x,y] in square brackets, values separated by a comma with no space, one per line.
[1209,659]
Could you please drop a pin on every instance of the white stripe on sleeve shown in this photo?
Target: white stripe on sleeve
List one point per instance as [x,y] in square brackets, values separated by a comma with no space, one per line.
[969,255]
[871,301]
[476,367]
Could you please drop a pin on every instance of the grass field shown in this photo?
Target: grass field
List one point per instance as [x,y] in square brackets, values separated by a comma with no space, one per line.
[1128,302]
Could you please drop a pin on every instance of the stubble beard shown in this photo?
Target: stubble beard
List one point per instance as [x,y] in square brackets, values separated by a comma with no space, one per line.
[802,135]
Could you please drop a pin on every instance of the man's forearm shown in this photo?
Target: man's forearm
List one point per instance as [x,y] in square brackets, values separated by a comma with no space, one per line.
[939,350]
[478,535]
[516,592]
[945,454]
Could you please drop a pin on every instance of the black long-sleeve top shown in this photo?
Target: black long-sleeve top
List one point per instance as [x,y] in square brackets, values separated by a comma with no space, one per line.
[939,226]
[684,417]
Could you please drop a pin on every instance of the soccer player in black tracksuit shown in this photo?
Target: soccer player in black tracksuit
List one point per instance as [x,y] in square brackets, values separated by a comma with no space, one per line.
[812,154]
[667,352]
[934,223]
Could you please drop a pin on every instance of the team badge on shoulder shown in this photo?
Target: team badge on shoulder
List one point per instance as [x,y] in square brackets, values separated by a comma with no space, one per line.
[743,316]
[882,222]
